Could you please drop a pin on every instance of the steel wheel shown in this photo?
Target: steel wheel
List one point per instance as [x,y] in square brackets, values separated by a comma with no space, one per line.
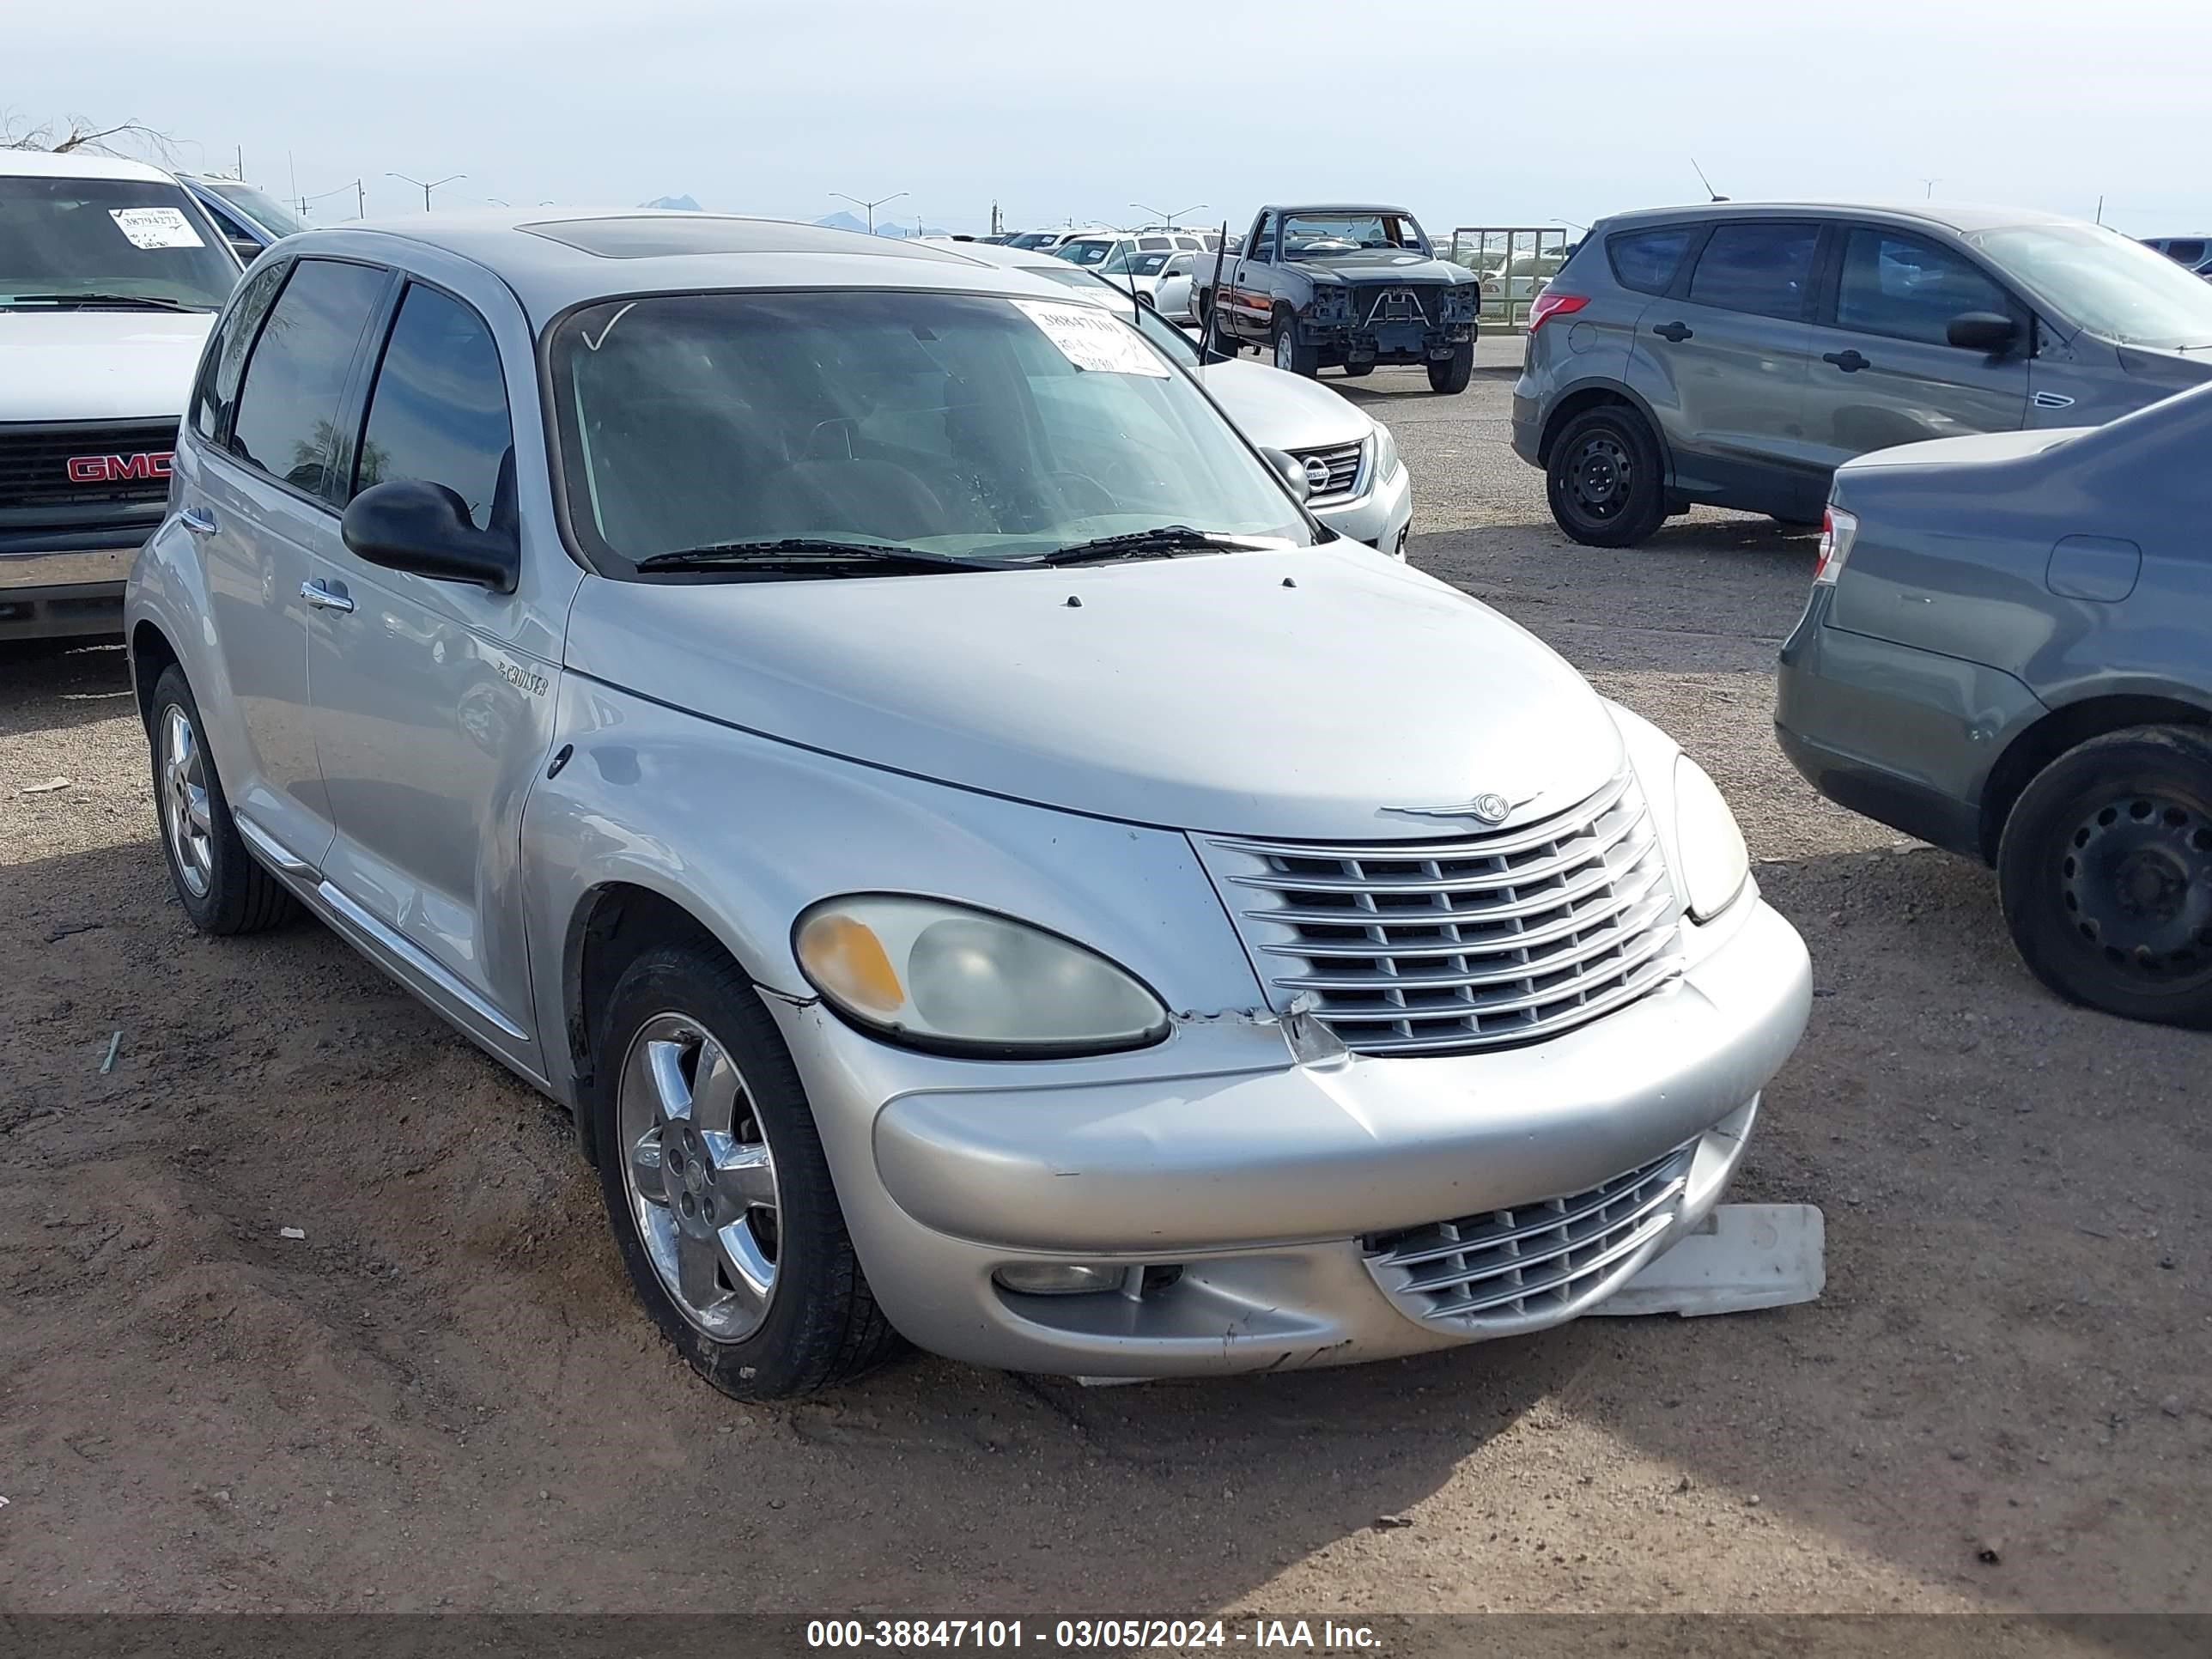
[1602,478]
[700,1176]
[2137,881]
[186,818]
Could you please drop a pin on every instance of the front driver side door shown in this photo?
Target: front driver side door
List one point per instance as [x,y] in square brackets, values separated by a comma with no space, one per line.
[1251,302]
[433,699]
[1883,373]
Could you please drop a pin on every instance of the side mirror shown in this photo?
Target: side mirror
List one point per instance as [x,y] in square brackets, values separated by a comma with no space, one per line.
[1986,331]
[1294,472]
[423,529]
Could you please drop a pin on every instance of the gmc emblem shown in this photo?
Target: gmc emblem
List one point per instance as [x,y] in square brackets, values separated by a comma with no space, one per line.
[114,469]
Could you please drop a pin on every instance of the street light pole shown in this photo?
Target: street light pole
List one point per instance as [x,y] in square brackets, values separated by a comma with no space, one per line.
[870,207]
[1167,219]
[425,189]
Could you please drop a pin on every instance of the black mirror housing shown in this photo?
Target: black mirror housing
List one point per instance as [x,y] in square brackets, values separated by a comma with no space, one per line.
[1989,331]
[423,529]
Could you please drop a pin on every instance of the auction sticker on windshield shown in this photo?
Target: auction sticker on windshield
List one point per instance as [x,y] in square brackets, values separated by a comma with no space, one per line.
[155,227]
[1092,339]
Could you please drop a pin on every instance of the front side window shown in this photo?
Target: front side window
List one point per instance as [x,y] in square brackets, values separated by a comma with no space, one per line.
[1765,267]
[950,425]
[288,406]
[439,409]
[1310,236]
[1263,239]
[108,245]
[259,205]
[216,393]
[2106,283]
[1908,288]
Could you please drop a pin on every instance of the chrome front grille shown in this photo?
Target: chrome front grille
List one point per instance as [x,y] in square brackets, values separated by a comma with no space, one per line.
[1343,462]
[1436,947]
[1534,1263]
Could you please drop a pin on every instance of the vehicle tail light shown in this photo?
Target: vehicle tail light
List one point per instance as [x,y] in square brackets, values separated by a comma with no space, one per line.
[1838,530]
[1547,304]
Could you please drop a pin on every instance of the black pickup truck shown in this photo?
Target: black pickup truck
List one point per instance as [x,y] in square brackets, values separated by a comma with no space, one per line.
[1343,287]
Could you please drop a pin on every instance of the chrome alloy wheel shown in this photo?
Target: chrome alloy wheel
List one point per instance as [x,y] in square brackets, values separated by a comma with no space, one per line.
[1286,350]
[700,1176]
[184,816]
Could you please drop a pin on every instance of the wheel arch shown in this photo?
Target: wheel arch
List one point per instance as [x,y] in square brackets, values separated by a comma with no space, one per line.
[151,654]
[2063,728]
[611,925]
[1598,394]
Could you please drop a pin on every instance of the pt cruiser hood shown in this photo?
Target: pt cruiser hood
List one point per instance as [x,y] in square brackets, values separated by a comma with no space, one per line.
[1296,693]
[68,365]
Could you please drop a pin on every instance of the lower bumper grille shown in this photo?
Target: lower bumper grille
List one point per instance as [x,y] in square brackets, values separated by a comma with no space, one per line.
[1536,1263]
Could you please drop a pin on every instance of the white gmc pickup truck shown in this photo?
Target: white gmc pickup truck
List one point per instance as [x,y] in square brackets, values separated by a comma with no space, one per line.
[110,277]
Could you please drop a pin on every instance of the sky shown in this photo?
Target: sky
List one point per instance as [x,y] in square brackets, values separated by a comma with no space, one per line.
[1553,113]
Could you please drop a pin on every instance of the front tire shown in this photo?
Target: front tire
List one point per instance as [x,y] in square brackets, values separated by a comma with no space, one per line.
[2105,869]
[1291,357]
[222,888]
[1355,371]
[716,1185]
[1453,373]
[1603,480]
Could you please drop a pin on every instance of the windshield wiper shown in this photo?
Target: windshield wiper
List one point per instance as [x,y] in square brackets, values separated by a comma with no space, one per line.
[121,301]
[1162,539]
[811,556]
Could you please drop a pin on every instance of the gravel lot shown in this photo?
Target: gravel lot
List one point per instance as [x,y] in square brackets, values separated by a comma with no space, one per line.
[443,1396]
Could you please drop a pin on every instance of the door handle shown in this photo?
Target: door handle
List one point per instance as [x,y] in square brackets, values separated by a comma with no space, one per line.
[1850,361]
[322,598]
[1676,332]
[198,520]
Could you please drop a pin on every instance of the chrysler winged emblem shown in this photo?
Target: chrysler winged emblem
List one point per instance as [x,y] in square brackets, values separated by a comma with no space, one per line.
[1492,808]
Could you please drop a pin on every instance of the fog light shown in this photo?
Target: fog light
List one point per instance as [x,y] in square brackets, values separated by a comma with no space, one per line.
[1059,1278]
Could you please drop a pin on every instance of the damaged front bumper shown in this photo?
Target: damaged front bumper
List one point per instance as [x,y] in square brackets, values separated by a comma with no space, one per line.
[1272,1201]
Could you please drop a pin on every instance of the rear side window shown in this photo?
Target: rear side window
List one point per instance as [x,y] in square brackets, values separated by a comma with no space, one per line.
[438,411]
[288,408]
[1910,289]
[1764,268]
[216,394]
[1646,260]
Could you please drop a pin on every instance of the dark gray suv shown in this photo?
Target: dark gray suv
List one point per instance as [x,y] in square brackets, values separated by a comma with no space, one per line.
[1734,354]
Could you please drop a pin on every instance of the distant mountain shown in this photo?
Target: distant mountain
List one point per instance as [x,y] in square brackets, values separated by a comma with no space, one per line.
[844,221]
[684,204]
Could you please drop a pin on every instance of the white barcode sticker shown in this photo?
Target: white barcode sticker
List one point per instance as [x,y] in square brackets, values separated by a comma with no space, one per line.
[1094,339]
[155,227]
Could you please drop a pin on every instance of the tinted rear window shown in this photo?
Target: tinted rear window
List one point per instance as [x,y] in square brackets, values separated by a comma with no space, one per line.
[1766,268]
[1646,260]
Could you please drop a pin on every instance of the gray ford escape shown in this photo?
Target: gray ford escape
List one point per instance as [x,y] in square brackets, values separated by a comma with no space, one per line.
[1734,354]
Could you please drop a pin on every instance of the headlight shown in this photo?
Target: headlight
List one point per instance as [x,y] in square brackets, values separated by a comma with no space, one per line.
[1386,455]
[942,976]
[1714,865]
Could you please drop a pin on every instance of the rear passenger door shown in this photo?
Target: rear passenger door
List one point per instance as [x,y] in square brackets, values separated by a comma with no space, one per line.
[1883,372]
[259,496]
[1721,358]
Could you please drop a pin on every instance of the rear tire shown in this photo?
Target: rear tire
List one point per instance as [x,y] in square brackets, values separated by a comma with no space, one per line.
[774,1303]
[2104,868]
[1603,481]
[221,886]
[1452,374]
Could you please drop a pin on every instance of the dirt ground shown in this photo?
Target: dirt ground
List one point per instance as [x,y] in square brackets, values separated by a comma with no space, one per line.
[442,1397]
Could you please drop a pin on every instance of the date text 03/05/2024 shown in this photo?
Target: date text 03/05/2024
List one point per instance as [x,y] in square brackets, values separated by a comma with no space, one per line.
[1307,1635]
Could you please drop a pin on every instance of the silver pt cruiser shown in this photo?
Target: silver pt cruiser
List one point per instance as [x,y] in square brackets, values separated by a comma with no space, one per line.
[980,861]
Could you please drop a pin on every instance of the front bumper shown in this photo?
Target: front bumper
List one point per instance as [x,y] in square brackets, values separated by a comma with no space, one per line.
[1242,1206]
[64,585]
[1382,517]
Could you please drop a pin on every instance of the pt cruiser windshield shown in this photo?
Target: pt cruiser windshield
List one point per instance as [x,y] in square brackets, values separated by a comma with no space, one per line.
[975,429]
